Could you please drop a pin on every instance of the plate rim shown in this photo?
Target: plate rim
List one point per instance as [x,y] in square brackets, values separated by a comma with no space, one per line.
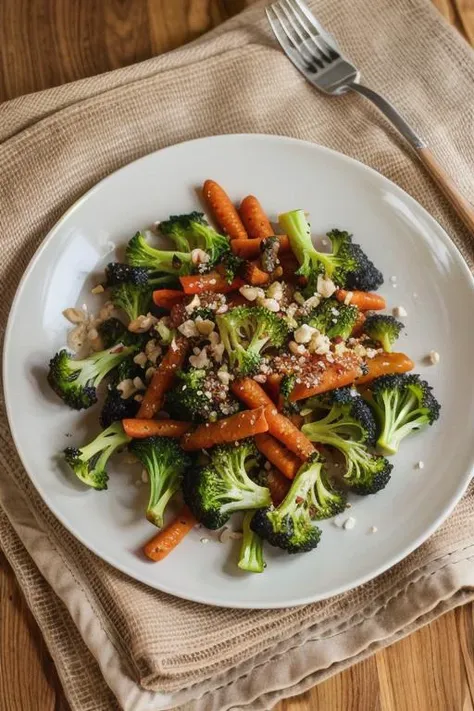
[233,604]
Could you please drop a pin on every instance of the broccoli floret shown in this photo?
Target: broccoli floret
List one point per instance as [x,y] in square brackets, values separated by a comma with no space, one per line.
[251,550]
[111,332]
[187,399]
[384,329]
[333,319]
[232,265]
[347,265]
[349,427]
[290,526]
[165,462]
[247,332]
[192,231]
[117,273]
[402,404]
[165,333]
[115,406]
[213,492]
[89,462]
[76,381]
[141,254]
[134,300]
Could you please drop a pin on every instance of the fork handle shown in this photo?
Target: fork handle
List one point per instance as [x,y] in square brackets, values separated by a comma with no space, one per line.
[463,207]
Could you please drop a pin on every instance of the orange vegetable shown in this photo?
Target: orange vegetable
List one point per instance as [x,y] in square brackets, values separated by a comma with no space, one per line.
[272,388]
[364,300]
[336,375]
[250,248]
[163,379]
[279,486]
[169,537]
[167,298]
[253,395]
[277,454]
[252,274]
[139,429]
[296,419]
[284,430]
[254,218]
[359,325]
[244,424]
[223,210]
[385,364]
[212,281]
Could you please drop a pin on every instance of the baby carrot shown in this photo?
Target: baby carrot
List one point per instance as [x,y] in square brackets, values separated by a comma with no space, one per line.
[359,325]
[169,537]
[230,429]
[254,218]
[140,429]
[284,430]
[364,300]
[385,364]
[167,298]
[212,281]
[250,248]
[277,454]
[163,379]
[223,210]
[336,375]
[250,392]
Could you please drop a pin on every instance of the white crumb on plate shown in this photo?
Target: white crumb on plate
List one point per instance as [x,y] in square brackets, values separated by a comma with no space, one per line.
[373,529]
[204,540]
[433,357]
[393,279]
[349,523]
[420,465]
[339,521]
[399,312]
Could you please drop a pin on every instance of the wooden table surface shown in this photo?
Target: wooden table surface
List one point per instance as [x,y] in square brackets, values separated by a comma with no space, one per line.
[44,43]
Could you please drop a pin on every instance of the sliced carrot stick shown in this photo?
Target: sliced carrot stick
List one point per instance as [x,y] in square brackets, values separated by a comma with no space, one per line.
[253,395]
[287,462]
[359,325]
[250,248]
[163,379]
[223,210]
[244,424]
[140,429]
[385,364]
[336,375]
[167,298]
[250,392]
[253,274]
[364,300]
[278,485]
[212,281]
[254,218]
[284,430]
[169,537]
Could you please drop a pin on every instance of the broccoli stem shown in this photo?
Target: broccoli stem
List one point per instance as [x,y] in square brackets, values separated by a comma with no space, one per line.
[251,551]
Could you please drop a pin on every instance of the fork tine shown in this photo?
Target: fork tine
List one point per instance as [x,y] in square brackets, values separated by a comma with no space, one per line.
[285,40]
[306,21]
[301,38]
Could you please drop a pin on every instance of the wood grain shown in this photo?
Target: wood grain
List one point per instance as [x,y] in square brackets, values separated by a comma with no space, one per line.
[48,42]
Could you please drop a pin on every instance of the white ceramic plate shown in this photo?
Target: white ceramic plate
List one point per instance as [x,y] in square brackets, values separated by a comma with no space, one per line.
[433,284]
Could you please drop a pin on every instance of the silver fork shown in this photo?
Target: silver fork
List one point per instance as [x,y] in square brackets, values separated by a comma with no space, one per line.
[315,54]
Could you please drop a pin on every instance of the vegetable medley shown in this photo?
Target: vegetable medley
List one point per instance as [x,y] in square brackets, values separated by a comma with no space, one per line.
[238,365]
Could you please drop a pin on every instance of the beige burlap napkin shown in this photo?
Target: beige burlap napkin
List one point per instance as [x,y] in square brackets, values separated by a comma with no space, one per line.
[117,642]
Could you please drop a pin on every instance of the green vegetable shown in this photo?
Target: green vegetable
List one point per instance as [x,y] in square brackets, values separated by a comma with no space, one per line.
[192,231]
[347,265]
[165,462]
[384,329]
[402,404]
[247,332]
[76,381]
[89,462]
[218,489]
[290,526]
[251,550]
[348,426]
[141,254]
[333,319]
